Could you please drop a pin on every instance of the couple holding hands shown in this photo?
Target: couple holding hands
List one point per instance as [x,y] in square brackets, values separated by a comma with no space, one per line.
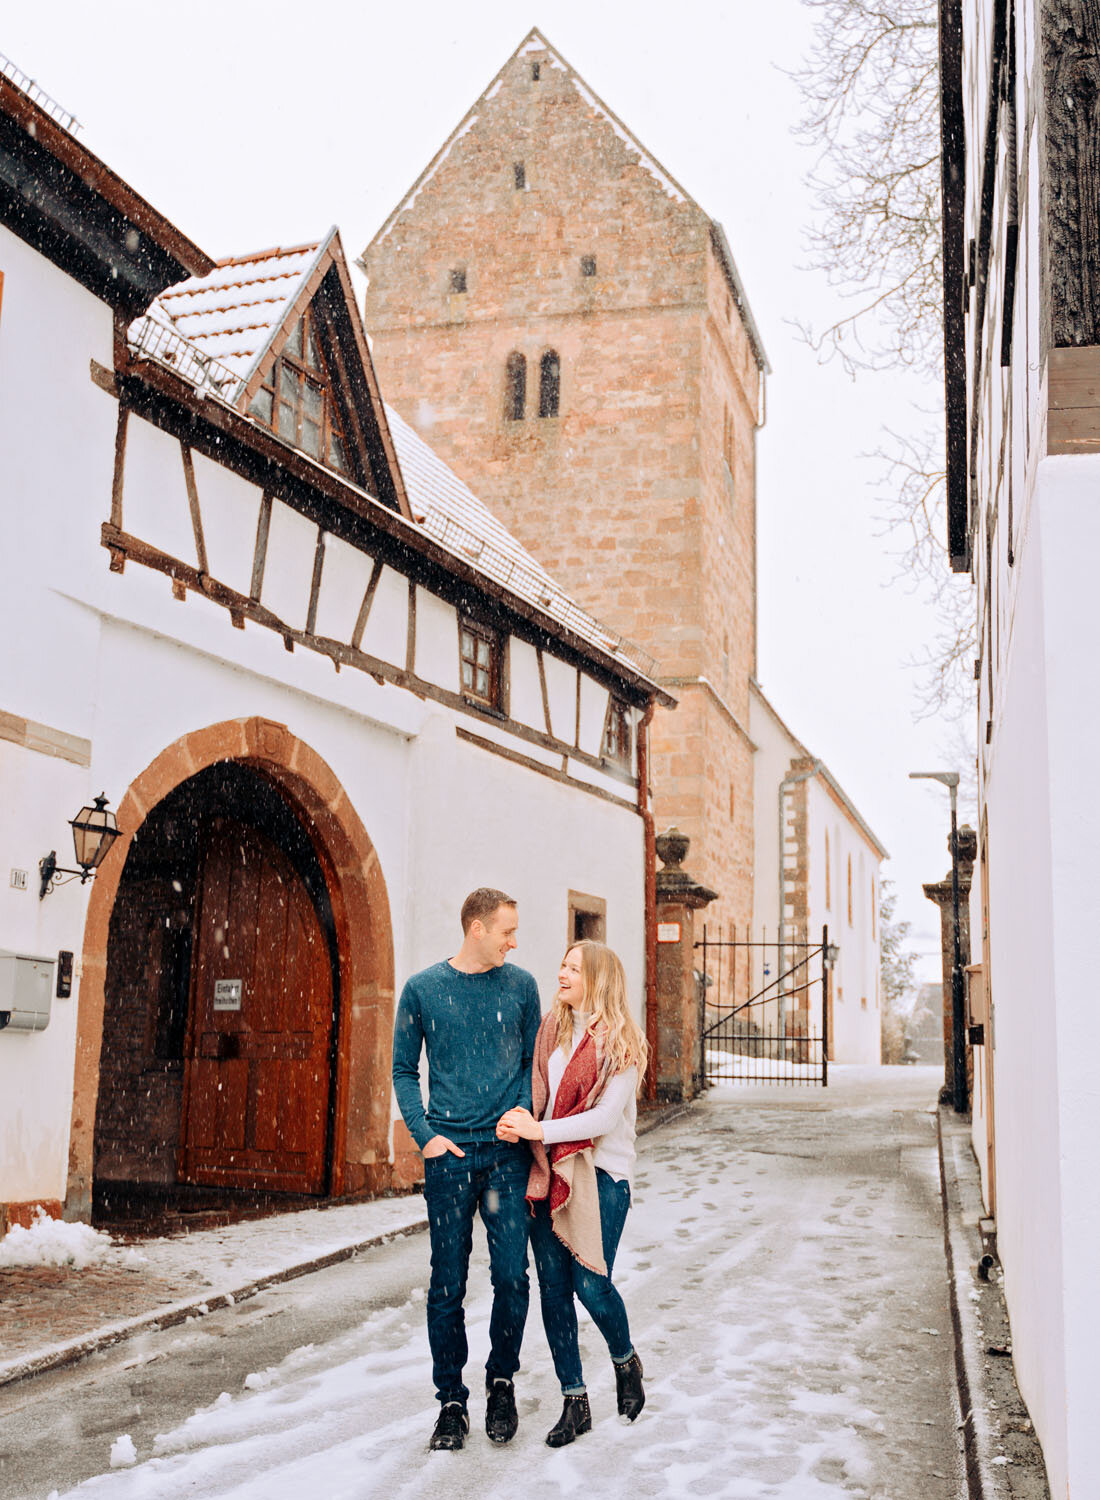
[530,1121]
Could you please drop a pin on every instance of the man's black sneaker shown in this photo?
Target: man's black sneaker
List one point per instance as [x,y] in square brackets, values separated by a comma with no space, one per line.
[501,1417]
[451,1426]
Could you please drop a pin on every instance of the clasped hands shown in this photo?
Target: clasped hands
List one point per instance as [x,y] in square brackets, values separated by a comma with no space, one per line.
[517,1125]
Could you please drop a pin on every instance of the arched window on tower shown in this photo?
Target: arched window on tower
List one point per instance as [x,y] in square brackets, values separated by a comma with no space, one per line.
[549,384]
[515,387]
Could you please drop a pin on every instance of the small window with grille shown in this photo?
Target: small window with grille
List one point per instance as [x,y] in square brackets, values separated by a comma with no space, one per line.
[480,649]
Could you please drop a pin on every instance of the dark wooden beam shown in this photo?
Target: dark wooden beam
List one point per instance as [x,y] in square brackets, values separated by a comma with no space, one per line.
[1071,168]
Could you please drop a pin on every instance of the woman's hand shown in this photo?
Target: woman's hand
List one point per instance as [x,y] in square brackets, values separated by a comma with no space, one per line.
[519,1125]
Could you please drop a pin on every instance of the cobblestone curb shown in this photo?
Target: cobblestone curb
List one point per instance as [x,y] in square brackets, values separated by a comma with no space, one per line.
[1003,1458]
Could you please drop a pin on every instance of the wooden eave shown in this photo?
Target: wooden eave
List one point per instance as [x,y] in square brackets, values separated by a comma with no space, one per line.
[66,203]
[229,438]
[330,281]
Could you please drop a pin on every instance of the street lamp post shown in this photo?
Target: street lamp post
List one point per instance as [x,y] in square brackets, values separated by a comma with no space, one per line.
[959,1089]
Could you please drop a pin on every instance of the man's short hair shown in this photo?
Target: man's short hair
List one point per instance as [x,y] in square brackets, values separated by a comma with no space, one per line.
[479,905]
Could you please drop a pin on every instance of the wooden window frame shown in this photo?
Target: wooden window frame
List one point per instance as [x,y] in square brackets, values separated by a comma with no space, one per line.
[583,905]
[489,635]
[331,424]
[617,720]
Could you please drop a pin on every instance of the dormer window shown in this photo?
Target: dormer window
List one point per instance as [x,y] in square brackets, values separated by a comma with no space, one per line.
[296,399]
[519,175]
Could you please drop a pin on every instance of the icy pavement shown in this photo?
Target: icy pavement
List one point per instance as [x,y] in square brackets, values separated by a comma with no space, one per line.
[784,1271]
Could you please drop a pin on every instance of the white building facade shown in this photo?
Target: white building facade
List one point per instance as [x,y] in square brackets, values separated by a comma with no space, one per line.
[817,865]
[324,692]
[1023,360]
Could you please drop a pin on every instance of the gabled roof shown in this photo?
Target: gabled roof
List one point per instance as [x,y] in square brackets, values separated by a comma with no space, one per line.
[220,331]
[536,42]
[838,792]
[66,203]
[226,329]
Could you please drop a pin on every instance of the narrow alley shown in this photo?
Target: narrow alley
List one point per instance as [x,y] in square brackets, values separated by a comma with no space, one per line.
[784,1271]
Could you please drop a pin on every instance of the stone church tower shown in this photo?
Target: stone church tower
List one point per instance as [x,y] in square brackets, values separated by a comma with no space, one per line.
[566,327]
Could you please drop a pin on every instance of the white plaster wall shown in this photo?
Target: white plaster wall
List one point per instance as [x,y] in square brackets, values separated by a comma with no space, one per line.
[561,689]
[857,1028]
[524,688]
[388,623]
[230,509]
[1021,934]
[594,698]
[154,497]
[436,641]
[774,749]
[482,820]
[288,565]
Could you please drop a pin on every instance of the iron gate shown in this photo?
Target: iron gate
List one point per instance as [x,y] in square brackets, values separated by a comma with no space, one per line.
[779,1033]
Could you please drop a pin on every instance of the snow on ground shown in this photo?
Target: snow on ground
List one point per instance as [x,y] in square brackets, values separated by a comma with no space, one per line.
[52,1242]
[783,1268]
[724,1067]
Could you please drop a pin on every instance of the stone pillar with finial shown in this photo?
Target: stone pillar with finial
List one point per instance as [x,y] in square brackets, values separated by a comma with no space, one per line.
[679,1063]
[939,892]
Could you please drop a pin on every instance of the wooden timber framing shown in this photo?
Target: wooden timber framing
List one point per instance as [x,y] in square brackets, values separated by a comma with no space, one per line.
[340,508]
[193,506]
[184,576]
[519,759]
[368,599]
[955,291]
[1071,168]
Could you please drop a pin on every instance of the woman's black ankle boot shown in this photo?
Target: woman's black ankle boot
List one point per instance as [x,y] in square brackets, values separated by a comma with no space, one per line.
[628,1386]
[575,1419]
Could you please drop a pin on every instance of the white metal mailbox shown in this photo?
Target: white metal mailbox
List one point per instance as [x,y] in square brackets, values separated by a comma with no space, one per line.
[26,990]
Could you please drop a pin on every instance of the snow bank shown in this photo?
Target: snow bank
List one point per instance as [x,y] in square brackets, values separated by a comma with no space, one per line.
[52,1242]
[123,1452]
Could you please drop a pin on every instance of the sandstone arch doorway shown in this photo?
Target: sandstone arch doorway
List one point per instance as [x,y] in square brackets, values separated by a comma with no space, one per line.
[156,1126]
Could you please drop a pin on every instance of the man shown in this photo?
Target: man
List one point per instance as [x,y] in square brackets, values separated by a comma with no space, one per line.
[476,1017]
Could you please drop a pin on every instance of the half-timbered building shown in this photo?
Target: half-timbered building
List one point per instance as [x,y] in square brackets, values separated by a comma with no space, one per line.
[1020,91]
[322,690]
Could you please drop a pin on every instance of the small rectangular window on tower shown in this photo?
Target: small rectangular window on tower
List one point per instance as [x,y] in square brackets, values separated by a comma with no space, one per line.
[588,265]
[536,72]
[458,279]
[519,174]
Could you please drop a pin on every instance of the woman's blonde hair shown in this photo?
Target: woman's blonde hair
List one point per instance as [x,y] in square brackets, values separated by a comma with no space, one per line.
[605,998]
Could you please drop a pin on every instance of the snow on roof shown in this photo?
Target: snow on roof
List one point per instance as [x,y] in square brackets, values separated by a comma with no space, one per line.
[213,329]
[231,314]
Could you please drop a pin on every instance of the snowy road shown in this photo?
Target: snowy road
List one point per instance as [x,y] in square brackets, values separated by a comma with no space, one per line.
[784,1271]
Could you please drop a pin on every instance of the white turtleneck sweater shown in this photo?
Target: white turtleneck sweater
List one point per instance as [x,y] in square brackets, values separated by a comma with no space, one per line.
[610,1125]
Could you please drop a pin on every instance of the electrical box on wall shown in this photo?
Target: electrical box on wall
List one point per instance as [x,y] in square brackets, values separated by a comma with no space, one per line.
[26,990]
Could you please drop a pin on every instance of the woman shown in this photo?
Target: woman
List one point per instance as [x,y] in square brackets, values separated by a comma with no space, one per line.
[589,1056]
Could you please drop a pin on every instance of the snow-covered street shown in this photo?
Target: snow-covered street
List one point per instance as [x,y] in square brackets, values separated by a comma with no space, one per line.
[784,1271]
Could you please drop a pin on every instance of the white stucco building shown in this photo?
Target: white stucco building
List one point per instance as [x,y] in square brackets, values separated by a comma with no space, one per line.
[817,864]
[324,691]
[1023,375]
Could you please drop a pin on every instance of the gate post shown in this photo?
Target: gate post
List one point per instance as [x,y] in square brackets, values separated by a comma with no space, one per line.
[678,1064]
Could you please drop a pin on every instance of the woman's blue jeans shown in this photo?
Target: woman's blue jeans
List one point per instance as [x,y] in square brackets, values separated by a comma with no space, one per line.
[561,1277]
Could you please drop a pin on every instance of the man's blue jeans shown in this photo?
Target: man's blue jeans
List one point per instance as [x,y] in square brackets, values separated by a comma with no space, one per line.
[561,1276]
[490,1178]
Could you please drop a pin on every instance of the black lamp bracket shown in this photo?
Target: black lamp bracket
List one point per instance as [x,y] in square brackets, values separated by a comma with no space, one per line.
[51,871]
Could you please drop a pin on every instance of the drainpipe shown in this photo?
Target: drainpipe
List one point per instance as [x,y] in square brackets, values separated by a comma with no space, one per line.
[650,858]
[788,781]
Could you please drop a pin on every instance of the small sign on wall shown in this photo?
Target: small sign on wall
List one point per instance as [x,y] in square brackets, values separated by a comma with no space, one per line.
[227,994]
[668,932]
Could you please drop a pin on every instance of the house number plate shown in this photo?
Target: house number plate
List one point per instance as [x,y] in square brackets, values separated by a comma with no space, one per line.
[227,994]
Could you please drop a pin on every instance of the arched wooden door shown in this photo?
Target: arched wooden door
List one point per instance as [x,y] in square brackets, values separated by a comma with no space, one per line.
[256,1071]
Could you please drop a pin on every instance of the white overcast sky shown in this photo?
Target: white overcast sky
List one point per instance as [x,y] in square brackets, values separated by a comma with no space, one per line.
[256,124]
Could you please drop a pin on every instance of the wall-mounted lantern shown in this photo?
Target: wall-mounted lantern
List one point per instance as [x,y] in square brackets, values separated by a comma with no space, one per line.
[832,953]
[94,831]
